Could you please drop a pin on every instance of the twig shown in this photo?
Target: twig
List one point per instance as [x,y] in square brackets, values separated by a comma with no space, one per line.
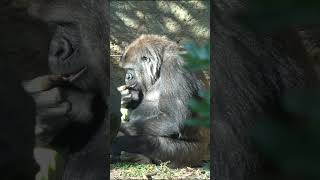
[115,55]
[149,175]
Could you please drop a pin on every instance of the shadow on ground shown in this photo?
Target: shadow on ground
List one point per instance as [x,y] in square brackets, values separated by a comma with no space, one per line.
[180,21]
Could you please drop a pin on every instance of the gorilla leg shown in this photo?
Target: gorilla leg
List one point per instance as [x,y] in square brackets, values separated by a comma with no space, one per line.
[160,148]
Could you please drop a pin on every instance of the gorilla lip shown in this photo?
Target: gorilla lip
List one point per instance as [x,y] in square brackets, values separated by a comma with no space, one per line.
[133,85]
[73,77]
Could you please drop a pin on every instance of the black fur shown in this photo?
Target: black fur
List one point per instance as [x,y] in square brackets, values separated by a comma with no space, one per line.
[251,72]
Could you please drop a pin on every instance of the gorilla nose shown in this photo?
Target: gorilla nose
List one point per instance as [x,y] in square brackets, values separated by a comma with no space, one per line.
[129,77]
[60,49]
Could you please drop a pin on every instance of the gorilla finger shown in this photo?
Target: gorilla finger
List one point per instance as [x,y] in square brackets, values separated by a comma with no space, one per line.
[125,92]
[40,83]
[48,98]
[81,106]
[126,99]
[60,110]
[122,88]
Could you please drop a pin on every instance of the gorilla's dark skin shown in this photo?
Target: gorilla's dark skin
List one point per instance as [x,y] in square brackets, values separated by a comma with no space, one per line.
[251,71]
[156,130]
[72,112]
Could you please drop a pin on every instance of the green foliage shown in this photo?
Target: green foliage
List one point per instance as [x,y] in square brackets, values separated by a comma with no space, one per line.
[133,169]
[202,108]
[55,168]
[293,143]
[198,59]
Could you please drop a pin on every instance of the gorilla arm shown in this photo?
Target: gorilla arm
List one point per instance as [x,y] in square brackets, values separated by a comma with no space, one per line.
[178,152]
[153,126]
[159,137]
[152,117]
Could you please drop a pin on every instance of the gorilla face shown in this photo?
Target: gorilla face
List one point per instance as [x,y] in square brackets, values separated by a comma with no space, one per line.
[78,60]
[76,50]
[142,65]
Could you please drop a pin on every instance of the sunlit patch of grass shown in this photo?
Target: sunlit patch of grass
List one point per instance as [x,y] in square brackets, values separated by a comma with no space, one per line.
[151,171]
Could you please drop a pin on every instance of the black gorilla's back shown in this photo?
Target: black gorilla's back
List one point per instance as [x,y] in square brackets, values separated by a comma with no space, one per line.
[251,72]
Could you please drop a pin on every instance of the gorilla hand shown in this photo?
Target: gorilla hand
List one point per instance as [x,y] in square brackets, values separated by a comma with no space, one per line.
[56,106]
[130,98]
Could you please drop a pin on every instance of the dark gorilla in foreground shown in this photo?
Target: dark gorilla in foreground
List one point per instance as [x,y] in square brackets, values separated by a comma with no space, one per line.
[157,90]
[251,72]
[72,112]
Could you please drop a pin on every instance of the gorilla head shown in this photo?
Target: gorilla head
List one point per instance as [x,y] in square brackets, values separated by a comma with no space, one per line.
[146,52]
[79,31]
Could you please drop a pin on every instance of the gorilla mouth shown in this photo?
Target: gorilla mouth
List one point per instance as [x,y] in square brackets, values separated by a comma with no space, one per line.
[73,76]
[133,85]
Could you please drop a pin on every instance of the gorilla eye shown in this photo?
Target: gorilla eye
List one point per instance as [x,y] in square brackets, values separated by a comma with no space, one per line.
[145,59]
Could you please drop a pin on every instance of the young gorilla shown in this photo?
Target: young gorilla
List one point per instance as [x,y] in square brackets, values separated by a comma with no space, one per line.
[157,90]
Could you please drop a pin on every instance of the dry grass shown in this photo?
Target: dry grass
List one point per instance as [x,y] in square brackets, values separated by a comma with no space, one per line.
[125,171]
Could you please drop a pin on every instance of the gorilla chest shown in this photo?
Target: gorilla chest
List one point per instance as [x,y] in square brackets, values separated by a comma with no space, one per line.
[149,107]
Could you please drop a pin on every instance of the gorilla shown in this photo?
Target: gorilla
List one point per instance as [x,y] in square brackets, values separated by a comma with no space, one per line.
[72,101]
[157,89]
[251,72]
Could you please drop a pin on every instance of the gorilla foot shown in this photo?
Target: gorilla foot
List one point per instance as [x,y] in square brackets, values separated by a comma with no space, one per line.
[134,157]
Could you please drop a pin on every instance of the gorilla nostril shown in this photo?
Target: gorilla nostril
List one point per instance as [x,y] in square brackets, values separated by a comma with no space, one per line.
[61,49]
[60,52]
[129,77]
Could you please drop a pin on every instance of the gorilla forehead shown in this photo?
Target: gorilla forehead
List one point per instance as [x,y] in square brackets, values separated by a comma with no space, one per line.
[67,11]
[143,45]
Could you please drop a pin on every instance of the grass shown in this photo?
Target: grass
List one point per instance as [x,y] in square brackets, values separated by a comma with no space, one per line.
[125,171]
